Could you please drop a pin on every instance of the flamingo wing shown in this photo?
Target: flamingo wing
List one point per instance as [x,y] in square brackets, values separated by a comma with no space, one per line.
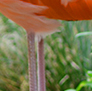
[75,10]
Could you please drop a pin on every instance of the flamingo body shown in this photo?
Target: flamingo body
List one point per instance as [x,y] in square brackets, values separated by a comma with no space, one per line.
[31,14]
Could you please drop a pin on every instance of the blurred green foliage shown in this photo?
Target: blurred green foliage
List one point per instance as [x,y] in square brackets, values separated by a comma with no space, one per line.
[68,56]
[86,83]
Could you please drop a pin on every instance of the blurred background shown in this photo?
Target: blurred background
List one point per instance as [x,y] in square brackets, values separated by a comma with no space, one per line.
[68,57]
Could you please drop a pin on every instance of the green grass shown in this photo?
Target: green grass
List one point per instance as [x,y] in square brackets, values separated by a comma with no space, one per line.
[68,55]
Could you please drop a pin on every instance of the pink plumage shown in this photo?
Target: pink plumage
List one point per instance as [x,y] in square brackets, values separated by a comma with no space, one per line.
[26,15]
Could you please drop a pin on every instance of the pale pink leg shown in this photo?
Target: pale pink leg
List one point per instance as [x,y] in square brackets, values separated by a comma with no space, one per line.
[32,62]
[41,67]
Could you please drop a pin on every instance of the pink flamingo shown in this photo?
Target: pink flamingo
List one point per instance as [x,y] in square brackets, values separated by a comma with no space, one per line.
[33,16]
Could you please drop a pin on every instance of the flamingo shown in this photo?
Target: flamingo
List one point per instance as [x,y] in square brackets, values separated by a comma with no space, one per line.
[38,18]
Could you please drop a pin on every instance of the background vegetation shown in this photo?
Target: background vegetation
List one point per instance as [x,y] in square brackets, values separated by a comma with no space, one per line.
[68,57]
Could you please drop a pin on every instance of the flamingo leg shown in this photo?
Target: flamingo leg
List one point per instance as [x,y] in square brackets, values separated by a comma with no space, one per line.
[41,66]
[32,62]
